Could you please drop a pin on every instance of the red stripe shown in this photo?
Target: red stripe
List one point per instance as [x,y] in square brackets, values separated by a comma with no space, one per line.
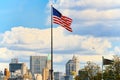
[63,21]
[68,28]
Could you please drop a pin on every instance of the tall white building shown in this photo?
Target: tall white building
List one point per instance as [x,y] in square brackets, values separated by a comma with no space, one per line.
[37,64]
[72,65]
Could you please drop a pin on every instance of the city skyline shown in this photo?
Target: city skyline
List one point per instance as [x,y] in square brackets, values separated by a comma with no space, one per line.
[25,30]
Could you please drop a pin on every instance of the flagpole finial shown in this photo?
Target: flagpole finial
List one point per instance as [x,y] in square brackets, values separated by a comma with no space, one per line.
[51,2]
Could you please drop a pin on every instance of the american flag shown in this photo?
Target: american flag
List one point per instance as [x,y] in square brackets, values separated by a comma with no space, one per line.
[64,21]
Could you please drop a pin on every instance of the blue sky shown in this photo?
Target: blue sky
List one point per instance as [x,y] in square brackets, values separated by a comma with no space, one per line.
[25,30]
[23,12]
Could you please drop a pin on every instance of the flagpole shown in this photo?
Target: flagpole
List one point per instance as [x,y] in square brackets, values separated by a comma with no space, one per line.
[102,67]
[51,44]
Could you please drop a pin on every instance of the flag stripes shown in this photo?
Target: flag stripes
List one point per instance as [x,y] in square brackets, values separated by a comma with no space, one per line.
[57,20]
[64,21]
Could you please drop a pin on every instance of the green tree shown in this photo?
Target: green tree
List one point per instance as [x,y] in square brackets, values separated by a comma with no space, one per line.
[98,76]
[92,70]
[112,72]
[83,75]
[78,78]
[116,67]
[108,73]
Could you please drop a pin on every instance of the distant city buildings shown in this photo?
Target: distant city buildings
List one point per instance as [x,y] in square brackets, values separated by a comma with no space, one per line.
[72,65]
[41,65]
[58,76]
[68,77]
[46,74]
[37,63]
[15,66]
[19,70]
[14,60]
[40,69]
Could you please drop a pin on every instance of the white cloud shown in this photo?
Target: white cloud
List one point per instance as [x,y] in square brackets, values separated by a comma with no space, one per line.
[94,58]
[35,39]
[100,4]
[92,14]
[59,68]
[96,44]
[117,50]
[82,58]
[114,39]
[58,58]
[6,54]
[27,37]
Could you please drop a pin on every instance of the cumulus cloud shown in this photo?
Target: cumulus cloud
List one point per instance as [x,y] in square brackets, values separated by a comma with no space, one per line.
[94,14]
[99,4]
[96,44]
[6,54]
[27,39]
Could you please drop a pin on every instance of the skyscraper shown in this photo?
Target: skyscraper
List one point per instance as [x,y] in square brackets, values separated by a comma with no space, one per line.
[15,66]
[37,63]
[58,75]
[46,71]
[72,65]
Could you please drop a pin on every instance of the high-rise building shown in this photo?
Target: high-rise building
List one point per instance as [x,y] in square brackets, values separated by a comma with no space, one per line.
[46,74]
[14,60]
[68,77]
[58,75]
[72,65]
[37,64]
[15,66]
